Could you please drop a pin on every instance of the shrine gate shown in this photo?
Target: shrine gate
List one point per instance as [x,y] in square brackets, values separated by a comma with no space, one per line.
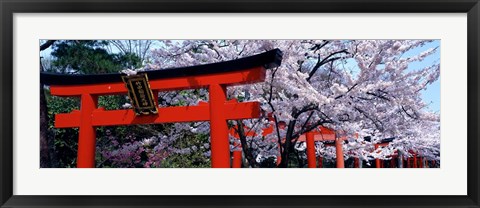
[216,77]
[323,134]
[416,161]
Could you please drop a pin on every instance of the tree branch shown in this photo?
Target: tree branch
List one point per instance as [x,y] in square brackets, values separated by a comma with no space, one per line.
[375,122]
[324,61]
[243,140]
[47,44]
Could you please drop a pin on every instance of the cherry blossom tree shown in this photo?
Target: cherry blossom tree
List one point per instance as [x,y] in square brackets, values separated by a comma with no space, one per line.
[355,87]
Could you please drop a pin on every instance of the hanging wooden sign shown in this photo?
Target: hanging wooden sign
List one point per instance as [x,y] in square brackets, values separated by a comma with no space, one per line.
[140,94]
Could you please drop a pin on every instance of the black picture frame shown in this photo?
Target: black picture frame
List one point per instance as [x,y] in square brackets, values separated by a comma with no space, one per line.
[9,7]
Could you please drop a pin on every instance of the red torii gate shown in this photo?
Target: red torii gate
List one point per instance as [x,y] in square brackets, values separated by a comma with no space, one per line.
[216,77]
[320,134]
[411,162]
[416,161]
[323,134]
[382,143]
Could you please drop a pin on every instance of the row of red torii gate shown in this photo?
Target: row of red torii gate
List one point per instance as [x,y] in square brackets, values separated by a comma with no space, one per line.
[143,90]
[330,138]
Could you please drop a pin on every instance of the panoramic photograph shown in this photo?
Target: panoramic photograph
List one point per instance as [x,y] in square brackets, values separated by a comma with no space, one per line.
[240,103]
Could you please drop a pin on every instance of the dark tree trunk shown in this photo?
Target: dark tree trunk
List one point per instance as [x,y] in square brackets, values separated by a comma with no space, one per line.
[47,152]
[45,160]
[246,150]
[47,44]
[287,145]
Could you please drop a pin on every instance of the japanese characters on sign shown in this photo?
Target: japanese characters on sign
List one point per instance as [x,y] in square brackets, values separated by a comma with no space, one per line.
[140,94]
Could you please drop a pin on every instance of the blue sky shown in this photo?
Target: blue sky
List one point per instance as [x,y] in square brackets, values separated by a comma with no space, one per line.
[431,95]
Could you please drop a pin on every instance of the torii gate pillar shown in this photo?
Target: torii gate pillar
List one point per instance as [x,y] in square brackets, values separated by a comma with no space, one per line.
[311,159]
[220,146]
[87,134]
[339,152]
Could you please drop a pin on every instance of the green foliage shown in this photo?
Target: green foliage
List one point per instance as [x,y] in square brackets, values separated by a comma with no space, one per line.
[65,140]
[195,159]
[295,161]
[268,163]
[129,60]
[330,164]
[89,57]
[111,102]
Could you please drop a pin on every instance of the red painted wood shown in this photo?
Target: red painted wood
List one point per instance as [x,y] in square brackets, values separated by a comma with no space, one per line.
[312,163]
[339,152]
[377,161]
[252,75]
[87,135]
[220,145]
[155,96]
[67,120]
[101,117]
[237,155]
[237,159]
[325,134]
[218,111]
